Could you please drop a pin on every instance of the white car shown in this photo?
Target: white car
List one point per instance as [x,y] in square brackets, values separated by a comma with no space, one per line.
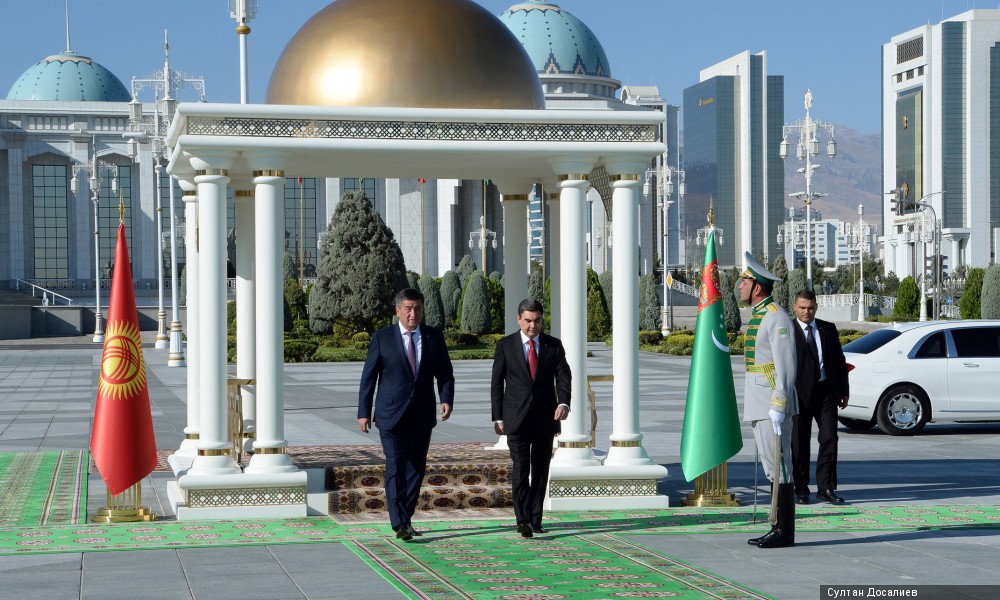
[906,375]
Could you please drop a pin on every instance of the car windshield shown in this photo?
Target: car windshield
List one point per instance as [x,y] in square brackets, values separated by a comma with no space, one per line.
[872,341]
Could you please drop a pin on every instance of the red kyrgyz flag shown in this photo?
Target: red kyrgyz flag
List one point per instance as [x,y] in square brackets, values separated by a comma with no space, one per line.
[122,441]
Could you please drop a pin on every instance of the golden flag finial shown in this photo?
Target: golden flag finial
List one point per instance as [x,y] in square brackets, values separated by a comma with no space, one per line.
[121,208]
[711,213]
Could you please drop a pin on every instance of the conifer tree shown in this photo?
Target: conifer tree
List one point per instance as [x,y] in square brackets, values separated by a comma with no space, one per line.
[969,305]
[466,267]
[907,299]
[649,305]
[780,293]
[476,305]
[606,286]
[433,307]
[730,307]
[536,288]
[451,292]
[796,283]
[989,303]
[288,270]
[598,318]
[361,267]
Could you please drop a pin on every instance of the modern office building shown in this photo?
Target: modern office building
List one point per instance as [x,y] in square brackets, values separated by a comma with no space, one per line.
[732,130]
[941,141]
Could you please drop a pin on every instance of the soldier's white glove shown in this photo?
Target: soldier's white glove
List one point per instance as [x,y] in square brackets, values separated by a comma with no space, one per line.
[776,420]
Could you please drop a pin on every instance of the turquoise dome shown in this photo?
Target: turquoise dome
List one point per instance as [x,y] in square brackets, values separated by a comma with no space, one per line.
[69,77]
[556,41]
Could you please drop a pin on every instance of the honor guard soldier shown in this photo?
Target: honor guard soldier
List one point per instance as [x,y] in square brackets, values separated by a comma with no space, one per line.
[769,400]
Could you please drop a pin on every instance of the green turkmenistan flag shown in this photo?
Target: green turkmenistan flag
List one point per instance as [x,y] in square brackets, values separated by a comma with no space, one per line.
[711,433]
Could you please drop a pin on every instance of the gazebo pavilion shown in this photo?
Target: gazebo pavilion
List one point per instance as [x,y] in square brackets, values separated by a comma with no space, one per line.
[252,148]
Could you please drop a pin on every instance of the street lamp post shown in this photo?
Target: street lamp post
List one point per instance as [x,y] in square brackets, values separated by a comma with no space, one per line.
[806,149]
[662,176]
[862,241]
[94,171]
[152,129]
[484,235]
[935,239]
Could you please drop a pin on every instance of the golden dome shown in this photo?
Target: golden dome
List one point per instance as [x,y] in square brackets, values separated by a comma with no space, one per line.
[406,53]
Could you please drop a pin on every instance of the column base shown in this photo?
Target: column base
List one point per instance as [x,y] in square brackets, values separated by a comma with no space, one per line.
[627,455]
[574,453]
[606,487]
[214,466]
[274,462]
[239,496]
[176,357]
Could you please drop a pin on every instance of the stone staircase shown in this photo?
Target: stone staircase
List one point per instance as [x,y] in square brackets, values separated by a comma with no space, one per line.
[18,298]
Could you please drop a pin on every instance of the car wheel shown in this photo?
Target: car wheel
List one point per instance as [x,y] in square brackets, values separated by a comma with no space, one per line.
[904,410]
[857,424]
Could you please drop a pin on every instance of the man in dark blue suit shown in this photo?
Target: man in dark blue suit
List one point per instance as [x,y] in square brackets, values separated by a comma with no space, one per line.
[530,394]
[403,362]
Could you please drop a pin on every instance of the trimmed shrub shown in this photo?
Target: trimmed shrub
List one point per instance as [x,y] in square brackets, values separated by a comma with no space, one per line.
[299,350]
[360,340]
[491,339]
[649,306]
[433,306]
[796,283]
[296,299]
[989,303]
[466,267]
[780,269]
[460,338]
[650,338]
[730,307]
[606,287]
[969,306]
[231,317]
[536,287]
[598,318]
[475,315]
[451,292]
[907,300]
[495,290]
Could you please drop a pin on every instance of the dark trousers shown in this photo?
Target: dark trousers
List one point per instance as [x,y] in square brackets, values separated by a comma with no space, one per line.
[531,452]
[821,408]
[405,464]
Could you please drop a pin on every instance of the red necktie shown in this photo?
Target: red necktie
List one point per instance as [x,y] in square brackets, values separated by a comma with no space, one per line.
[411,353]
[532,359]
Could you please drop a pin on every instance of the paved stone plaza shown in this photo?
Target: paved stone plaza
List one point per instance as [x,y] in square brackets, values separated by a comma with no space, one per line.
[47,392]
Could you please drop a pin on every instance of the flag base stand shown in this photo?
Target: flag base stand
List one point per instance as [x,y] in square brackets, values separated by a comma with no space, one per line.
[125,508]
[710,489]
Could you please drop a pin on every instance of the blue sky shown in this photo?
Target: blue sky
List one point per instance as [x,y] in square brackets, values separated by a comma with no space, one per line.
[834,48]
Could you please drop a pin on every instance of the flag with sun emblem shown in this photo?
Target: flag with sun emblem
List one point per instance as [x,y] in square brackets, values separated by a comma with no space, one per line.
[711,433]
[122,440]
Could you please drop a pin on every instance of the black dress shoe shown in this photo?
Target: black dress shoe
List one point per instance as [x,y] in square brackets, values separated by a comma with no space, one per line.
[404,534]
[802,498]
[524,529]
[413,531]
[538,529]
[756,540]
[830,496]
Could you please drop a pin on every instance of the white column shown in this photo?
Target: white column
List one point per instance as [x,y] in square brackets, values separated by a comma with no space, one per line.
[574,441]
[270,446]
[162,340]
[176,356]
[246,312]
[626,448]
[554,250]
[515,256]
[189,447]
[214,448]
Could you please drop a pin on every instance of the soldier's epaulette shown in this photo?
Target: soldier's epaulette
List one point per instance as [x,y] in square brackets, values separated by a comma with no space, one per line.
[772,307]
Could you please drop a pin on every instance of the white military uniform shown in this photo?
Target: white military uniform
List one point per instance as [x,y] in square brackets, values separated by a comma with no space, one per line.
[769,353]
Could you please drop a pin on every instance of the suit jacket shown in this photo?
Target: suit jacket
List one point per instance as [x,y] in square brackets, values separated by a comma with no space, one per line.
[512,391]
[403,400]
[772,343]
[834,362]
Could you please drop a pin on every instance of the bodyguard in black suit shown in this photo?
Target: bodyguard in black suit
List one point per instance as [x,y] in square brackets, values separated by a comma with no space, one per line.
[403,361]
[530,394]
[822,387]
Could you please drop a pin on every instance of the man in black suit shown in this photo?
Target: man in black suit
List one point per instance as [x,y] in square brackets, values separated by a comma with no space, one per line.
[822,387]
[530,394]
[404,360]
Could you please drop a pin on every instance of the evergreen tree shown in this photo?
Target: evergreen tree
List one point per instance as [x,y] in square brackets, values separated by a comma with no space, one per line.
[318,324]
[466,267]
[361,267]
[907,299]
[296,300]
[183,292]
[969,305]
[536,289]
[598,319]
[476,305]
[780,292]
[796,283]
[497,275]
[989,302]
[649,306]
[433,307]
[288,270]
[451,291]
[606,286]
[891,282]
[412,280]
[495,290]
[730,307]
